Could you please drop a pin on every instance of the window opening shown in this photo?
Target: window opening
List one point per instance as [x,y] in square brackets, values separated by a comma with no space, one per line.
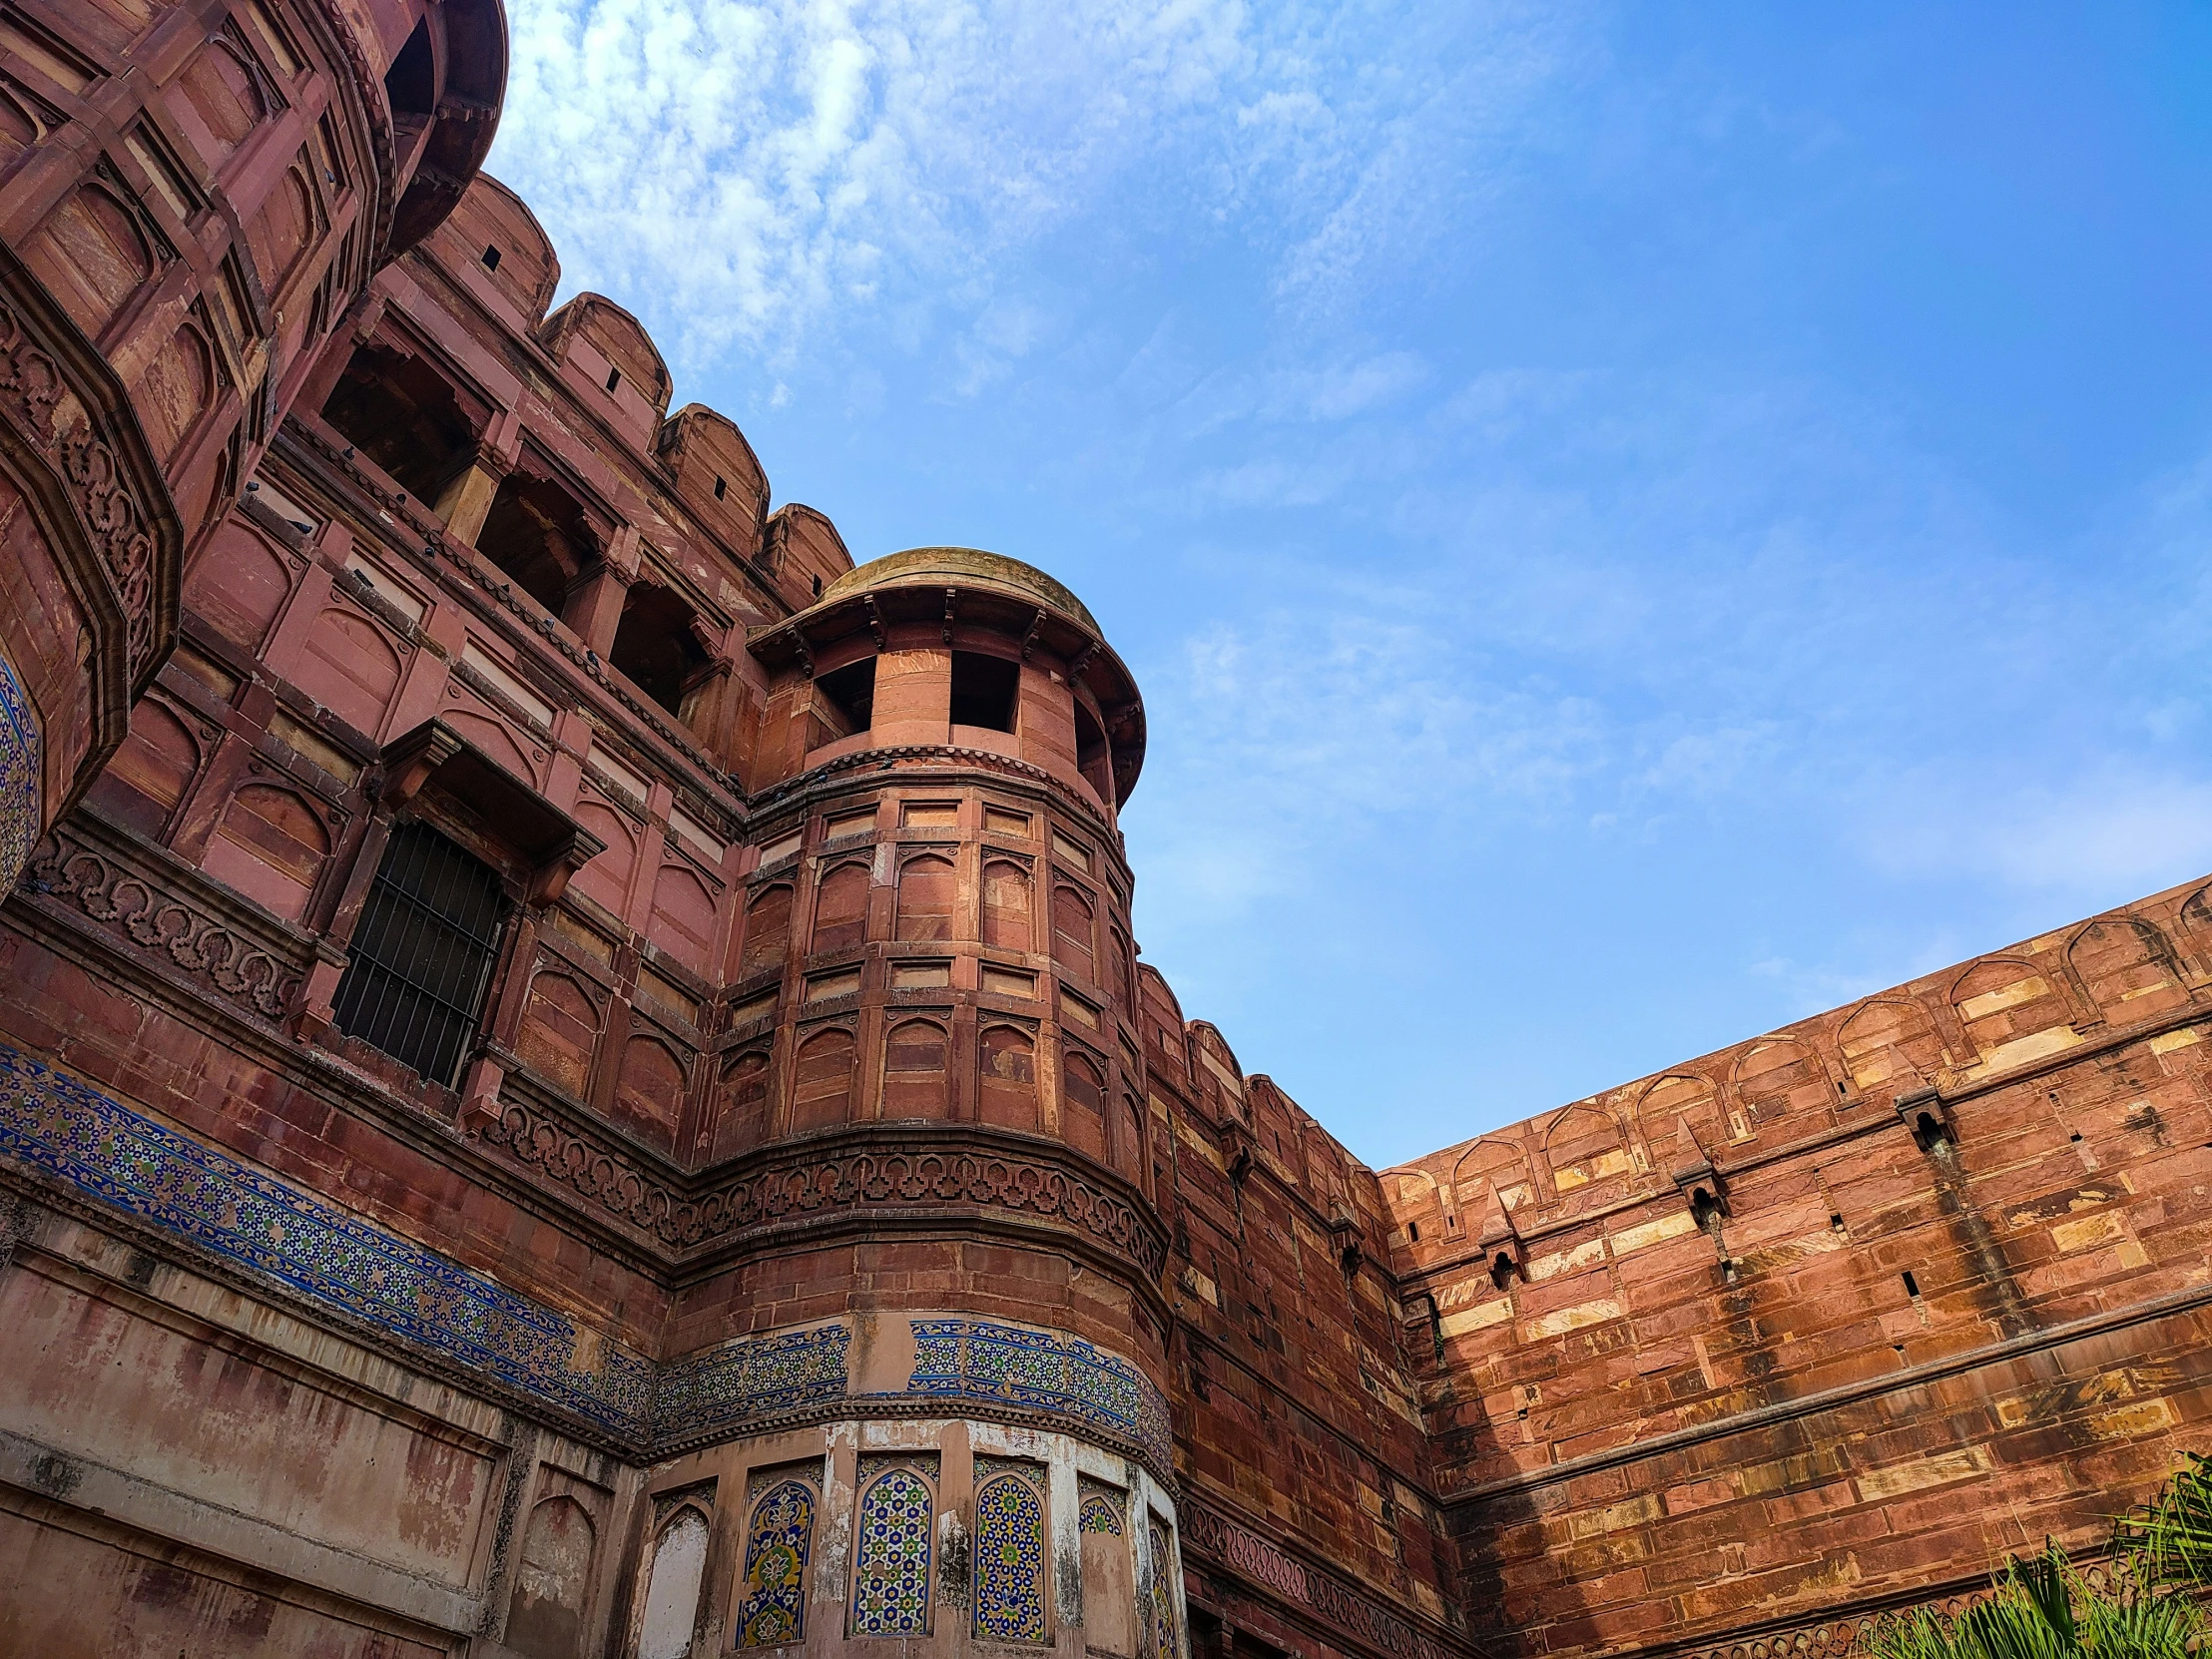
[984,691]
[846,701]
[411,82]
[537,534]
[491,258]
[402,413]
[1413,1232]
[1092,757]
[818,587]
[655,646]
[614,379]
[1501,1271]
[721,487]
[423,954]
[1912,1286]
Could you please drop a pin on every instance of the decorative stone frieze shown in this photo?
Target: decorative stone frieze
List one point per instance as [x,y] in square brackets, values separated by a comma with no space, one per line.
[898,1167]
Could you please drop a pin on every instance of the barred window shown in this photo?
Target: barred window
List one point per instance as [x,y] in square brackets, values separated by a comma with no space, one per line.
[423,954]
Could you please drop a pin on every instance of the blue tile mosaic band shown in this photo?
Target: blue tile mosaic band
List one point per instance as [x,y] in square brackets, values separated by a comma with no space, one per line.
[724,1388]
[22,755]
[964,1358]
[73,1133]
[102,1148]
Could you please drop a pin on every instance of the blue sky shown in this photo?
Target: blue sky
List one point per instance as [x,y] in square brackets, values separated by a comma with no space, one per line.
[1634,525]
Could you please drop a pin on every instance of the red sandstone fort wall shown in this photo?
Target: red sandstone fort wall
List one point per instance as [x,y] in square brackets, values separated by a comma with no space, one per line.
[1951,1301]
[820,1013]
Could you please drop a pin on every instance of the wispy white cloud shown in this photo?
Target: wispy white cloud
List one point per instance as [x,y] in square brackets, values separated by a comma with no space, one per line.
[755,167]
[2097,828]
[1451,518]
[753,173]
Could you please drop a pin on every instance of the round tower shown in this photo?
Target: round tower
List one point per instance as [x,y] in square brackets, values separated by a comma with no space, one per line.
[931,1078]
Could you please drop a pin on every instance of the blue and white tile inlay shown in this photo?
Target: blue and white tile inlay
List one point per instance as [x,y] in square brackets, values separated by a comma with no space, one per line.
[22,755]
[100,1147]
[969,1358]
[291,1238]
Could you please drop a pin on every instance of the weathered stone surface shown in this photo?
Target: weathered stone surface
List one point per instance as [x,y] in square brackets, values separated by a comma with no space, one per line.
[812,1153]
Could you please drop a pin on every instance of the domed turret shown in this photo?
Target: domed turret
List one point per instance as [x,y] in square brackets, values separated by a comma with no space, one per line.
[951,648]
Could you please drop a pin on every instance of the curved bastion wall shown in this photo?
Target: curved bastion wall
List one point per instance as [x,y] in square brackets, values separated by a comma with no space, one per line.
[577,1079]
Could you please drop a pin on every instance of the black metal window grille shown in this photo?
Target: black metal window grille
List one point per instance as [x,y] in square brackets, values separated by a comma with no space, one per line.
[423,954]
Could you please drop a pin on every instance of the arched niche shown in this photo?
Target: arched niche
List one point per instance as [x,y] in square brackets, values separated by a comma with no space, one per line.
[1007,1084]
[916,1060]
[823,1078]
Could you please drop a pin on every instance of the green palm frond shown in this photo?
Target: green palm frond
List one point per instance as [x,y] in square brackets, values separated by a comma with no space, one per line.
[2026,1614]
[2042,1608]
[2172,1537]
[2142,1624]
[1918,1633]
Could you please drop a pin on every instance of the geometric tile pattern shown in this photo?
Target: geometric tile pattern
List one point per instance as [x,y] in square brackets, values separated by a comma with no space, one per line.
[890,1557]
[1009,1551]
[1100,1513]
[981,1360]
[343,1263]
[727,1386]
[21,757]
[1160,1604]
[774,1611]
[102,1148]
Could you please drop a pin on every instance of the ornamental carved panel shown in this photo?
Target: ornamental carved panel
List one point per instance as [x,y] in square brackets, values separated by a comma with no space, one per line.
[916,1170]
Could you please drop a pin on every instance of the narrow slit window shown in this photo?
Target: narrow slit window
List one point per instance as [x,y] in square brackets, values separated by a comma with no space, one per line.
[1912,1286]
[491,258]
[423,954]
[614,379]
[722,488]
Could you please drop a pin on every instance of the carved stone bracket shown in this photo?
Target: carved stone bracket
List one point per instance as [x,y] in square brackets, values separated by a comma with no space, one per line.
[1926,1113]
[1695,1177]
[550,844]
[1501,1240]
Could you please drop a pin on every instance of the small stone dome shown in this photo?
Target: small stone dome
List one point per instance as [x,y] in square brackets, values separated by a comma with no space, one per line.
[964,567]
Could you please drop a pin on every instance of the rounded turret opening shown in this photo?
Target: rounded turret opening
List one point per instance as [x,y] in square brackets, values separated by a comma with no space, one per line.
[1018,655]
